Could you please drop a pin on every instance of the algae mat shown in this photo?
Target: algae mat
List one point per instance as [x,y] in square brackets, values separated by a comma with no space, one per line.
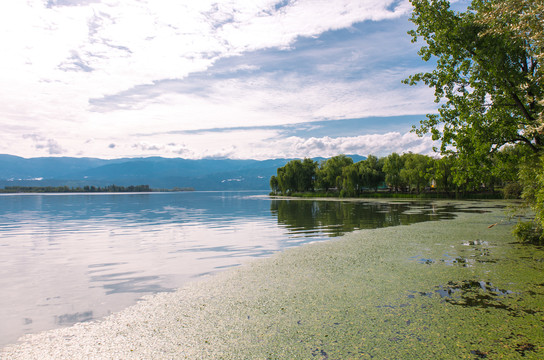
[449,289]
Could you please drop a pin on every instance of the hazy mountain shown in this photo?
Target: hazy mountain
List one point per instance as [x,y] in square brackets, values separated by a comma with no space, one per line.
[157,172]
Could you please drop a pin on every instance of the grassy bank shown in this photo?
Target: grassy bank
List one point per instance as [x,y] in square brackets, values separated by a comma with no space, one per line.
[452,289]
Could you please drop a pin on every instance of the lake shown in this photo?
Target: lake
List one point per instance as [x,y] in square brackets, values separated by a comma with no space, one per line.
[67,258]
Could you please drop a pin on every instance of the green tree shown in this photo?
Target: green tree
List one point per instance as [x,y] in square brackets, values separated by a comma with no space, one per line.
[523,21]
[531,177]
[309,171]
[468,173]
[489,81]
[416,170]
[442,173]
[350,180]
[506,163]
[392,168]
[274,184]
[370,172]
[296,175]
[329,174]
[283,183]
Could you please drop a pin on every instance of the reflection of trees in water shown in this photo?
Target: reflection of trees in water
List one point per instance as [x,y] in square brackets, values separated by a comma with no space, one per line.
[339,217]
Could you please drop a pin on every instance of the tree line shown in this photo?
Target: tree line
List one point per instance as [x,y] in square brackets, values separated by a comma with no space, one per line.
[66,189]
[406,173]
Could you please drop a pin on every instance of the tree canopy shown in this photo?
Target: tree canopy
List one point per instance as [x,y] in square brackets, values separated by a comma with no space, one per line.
[488,82]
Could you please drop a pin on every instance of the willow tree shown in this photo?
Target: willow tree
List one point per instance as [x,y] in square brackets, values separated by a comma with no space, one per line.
[295,176]
[371,172]
[416,171]
[488,78]
[392,168]
[329,174]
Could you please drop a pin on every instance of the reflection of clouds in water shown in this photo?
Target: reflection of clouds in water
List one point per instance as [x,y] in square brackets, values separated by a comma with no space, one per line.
[110,250]
[142,284]
[122,282]
[69,319]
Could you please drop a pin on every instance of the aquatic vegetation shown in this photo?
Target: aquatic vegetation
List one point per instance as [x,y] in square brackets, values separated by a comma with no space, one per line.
[529,232]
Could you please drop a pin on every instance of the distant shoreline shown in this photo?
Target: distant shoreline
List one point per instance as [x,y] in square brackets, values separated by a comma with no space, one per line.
[86,189]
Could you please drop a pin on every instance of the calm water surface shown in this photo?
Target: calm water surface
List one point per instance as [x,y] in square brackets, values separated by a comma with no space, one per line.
[77,257]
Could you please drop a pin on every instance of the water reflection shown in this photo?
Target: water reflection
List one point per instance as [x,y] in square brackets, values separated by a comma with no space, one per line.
[335,218]
[68,319]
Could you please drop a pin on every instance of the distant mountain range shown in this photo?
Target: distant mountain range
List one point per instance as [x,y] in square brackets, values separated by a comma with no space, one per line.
[157,172]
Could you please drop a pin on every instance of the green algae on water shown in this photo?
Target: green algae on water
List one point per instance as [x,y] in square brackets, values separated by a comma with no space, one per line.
[476,294]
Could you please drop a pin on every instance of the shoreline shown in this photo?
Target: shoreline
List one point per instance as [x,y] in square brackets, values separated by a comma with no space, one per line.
[356,296]
[494,195]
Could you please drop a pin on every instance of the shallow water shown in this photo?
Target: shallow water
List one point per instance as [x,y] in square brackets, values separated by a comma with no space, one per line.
[78,257]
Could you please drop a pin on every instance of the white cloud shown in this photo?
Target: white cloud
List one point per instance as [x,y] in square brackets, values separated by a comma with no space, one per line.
[249,32]
[242,144]
[264,100]
[51,146]
[74,68]
[376,144]
[127,43]
[265,144]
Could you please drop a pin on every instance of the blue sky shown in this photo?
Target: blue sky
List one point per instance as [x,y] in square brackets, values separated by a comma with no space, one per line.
[239,79]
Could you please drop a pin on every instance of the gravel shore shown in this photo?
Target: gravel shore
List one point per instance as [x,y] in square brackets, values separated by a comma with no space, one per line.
[355,297]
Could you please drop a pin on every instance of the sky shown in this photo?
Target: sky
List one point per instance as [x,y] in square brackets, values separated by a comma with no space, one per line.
[240,79]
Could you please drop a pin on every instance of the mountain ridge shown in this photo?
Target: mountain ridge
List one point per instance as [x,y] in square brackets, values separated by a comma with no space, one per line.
[157,172]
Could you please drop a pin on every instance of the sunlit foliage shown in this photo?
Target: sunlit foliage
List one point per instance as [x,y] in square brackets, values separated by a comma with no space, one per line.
[489,84]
